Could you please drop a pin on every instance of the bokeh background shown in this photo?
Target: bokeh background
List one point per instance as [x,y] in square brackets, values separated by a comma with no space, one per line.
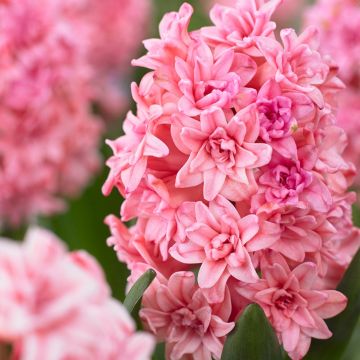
[82,225]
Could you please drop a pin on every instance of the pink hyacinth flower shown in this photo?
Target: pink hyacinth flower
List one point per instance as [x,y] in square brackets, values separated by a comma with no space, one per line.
[289,183]
[173,43]
[179,313]
[205,82]
[131,151]
[64,312]
[240,23]
[138,246]
[222,242]
[222,153]
[280,112]
[295,308]
[297,65]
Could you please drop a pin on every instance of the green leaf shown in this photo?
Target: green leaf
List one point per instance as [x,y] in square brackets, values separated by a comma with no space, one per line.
[253,338]
[159,353]
[136,292]
[345,323]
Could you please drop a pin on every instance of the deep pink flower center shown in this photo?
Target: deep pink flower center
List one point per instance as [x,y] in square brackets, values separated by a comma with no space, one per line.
[221,246]
[292,178]
[275,118]
[284,300]
[221,147]
[185,317]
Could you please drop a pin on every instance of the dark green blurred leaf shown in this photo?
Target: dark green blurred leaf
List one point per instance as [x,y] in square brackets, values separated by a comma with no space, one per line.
[356,215]
[159,353]
[136,292]
[344,324]
[253,338]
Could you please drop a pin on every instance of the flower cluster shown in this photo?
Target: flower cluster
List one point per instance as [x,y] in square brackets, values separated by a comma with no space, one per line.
[52,303]
[232,165]
[49,77]
[338,22]
[48,136]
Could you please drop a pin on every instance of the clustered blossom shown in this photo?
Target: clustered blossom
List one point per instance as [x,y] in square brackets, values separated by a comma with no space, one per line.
[48,136]
[57,305]
[233,166]
[56,57]
[338,22]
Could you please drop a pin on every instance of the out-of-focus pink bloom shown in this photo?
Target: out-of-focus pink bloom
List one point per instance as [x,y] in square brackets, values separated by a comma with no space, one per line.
[338,22]
[348,116]
[295,308]
[65,311]
[222,154]
[178,313]
[289,11]
[222,242]
[117,28]
[48,136]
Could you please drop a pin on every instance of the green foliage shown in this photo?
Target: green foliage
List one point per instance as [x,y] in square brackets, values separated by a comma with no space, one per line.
[136,292]
[253,338]
[159,353]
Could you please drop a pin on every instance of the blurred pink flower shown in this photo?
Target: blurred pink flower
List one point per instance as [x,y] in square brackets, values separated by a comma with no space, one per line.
[348,115]
[117,28]
[179,313]
[48,135]
[55,314]
[338,22]
[289,11]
